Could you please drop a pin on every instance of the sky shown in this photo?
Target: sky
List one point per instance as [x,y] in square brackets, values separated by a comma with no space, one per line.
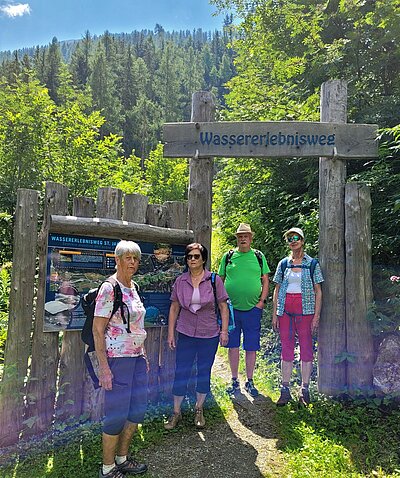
[29,23]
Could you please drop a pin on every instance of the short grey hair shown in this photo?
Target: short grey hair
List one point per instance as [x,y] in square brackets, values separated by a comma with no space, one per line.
[128,247]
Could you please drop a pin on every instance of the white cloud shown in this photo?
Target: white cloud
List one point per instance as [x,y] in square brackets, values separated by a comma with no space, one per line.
[17,10]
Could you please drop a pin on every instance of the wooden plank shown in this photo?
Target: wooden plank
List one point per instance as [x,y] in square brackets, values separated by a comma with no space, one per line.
[332,179]
[272,139]
[359,281]
[72,370]
[19,317]
[114,228]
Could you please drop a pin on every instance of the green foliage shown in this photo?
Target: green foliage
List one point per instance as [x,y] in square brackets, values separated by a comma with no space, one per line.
[284,52]
[384,314]
[340,439]
[5,236]
[271,198]
[4,301]
[166,179]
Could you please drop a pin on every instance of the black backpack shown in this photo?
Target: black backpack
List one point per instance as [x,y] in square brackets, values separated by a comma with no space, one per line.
[257,253]
[285,265]
[88,305]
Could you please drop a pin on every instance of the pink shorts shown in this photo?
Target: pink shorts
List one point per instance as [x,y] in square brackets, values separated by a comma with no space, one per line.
[293,323]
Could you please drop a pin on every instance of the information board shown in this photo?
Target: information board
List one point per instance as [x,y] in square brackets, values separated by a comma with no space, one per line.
[77,264]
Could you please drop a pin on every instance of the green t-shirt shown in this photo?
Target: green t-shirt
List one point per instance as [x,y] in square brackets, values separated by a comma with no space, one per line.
[243,278]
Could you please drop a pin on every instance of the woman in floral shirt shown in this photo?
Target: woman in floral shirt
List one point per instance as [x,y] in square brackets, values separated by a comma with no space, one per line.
[119,344]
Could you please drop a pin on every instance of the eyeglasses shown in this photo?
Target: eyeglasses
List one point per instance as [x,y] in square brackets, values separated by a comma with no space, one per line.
[196,257]
[294,238]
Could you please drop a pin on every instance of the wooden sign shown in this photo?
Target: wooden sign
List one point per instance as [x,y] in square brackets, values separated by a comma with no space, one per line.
[270,139]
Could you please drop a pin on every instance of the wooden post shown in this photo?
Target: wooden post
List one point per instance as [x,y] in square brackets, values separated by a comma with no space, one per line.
[41,388]
[20,316]
[109,205]
[156,215]
[72,370]
[359,282]
[201,176]
[109,200]
[135,207]
[177,213]
[332,177]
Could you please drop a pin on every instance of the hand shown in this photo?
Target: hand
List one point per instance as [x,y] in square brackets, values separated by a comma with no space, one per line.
[223,338]
[105,378]
[147,363]
[171,342]
[314,325]
[275,323]
[260,304]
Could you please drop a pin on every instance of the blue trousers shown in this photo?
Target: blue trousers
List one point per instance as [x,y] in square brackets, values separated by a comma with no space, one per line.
[189,349]
[127,401]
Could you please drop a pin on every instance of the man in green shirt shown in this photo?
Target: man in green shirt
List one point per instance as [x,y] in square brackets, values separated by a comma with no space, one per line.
[245,273]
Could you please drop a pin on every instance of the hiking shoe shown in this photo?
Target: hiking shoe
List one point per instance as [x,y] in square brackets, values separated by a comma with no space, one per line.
[285,397]
[131,466]
[235,387]
[199,420]
[250,388]
[304,397]
[114,473]
[173,420]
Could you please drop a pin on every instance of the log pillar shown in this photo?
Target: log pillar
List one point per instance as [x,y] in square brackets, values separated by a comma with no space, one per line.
[201,176]
[19,317]
[41,387]
[360,348]
[332,178]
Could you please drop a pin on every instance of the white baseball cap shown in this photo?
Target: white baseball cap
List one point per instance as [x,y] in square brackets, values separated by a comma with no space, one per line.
[296,230]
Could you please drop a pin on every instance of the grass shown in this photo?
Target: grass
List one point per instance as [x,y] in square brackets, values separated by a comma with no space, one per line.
[330,438]
[76,452]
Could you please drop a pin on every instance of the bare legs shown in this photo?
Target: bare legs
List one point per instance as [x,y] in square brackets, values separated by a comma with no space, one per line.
[233,355]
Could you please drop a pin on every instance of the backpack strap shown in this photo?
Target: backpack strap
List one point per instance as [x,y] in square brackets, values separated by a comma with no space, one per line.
[258,254]
[228,257]
[213,276]
[284,265]
[118,302]
[313,265]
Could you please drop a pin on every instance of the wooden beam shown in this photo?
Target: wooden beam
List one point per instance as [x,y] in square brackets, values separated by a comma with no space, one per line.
[270,139]
[114,228]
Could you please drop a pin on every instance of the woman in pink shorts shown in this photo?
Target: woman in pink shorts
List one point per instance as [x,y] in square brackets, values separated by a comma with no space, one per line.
[296,311]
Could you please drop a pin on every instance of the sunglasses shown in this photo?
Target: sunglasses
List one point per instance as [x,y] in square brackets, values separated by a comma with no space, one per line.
[196,257]
[294,238]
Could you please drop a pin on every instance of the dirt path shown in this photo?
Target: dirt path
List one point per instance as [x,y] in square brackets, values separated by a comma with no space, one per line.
[242,446]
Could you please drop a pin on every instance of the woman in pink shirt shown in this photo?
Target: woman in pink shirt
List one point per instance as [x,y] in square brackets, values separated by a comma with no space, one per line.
[192,313]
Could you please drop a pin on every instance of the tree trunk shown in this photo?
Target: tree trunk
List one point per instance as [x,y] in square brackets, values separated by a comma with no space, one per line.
[359,282]
[201,177]
[20,317]
[332,177]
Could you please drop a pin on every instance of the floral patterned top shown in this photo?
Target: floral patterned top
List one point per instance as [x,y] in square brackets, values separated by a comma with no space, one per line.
[120,343]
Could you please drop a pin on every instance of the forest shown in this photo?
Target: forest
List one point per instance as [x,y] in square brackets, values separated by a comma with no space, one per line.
[89,113]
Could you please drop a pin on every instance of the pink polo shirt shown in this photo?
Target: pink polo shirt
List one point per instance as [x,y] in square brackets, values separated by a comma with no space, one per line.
[203,322]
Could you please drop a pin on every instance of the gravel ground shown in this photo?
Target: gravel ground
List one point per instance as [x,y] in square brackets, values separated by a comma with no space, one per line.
[243,445]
